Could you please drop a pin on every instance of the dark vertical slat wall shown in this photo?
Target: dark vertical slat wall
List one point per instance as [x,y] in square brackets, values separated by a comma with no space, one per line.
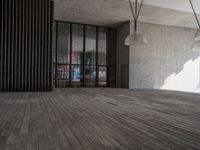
[1,42]
[26,45]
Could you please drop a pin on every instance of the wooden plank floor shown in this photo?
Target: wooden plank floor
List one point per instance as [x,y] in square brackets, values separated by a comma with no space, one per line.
[100,119]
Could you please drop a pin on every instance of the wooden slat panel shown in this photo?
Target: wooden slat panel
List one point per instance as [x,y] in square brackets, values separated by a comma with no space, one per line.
[51,13]
[11,77]
[8,57]
[26,49]
[25,45]
[22,45]
[29,45]
[31,41]
[5,45]
[36,45]
[19,83]
[1,42]
[15,49]
[39,46]
[48,46]
[42,45]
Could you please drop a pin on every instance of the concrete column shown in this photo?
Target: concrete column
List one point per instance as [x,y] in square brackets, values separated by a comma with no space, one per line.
[123,56]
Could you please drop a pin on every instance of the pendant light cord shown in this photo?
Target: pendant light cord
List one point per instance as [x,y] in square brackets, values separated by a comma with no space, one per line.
[140,8]
[132,10]
[137,11]
[195,14]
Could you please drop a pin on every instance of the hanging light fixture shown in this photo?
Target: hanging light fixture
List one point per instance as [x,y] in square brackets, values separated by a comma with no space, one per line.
[135,39]
[196,44]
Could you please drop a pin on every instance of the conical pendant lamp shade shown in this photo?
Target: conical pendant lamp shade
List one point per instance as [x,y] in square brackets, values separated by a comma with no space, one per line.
[135,39]
[196,46]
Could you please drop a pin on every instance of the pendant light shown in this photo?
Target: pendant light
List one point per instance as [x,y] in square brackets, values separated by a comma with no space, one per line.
[135,39]
[196,44]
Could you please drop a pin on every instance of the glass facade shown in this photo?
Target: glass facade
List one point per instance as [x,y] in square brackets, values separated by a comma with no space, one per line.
[81,56]
[77,56]
[63,43]
[102,57]
[102,47]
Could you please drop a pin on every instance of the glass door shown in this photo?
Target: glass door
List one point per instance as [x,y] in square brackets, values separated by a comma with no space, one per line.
[77,56]
[102,57]
[63,55]
[90,57]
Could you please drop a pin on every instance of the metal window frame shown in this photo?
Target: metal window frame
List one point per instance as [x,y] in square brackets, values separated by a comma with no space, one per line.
[84,50]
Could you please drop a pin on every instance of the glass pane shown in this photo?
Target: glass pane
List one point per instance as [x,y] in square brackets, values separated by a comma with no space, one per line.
[102,76]
[63,76]
[90,76]
[63,43]
[76,76]
[77,44]
[90,52]
[112,77]
[102,47]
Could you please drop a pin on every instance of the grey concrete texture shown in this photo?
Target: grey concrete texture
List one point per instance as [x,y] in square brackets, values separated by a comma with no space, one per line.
[116,12]
[166,62]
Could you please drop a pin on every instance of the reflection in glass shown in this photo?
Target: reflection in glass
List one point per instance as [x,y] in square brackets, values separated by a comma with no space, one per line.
[79,55]
[102,76]
[90,52]
[77,44]
[63,43]
[90,76]
[76,75]
[102,46]
[63,75]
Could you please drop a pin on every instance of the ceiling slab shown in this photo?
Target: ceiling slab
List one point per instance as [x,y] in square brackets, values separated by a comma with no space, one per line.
[180,5]
[115,12]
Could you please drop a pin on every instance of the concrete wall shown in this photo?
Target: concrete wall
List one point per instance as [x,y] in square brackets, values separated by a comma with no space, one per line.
[122,57]
[166,62]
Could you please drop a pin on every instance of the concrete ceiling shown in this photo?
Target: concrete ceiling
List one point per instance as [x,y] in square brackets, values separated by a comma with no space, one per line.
[115,12]
[181,5]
